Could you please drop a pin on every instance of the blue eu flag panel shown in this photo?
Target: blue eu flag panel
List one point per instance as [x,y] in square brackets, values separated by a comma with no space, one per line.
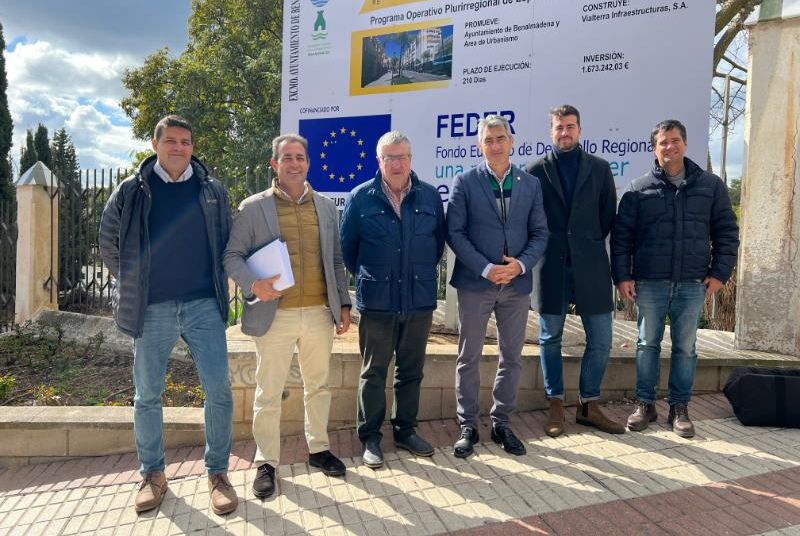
[342,150]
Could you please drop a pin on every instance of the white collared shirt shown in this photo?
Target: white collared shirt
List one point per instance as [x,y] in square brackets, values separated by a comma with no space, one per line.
[161,172]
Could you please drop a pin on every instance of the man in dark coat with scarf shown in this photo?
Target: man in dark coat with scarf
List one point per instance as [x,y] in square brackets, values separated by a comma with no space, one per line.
[580,201]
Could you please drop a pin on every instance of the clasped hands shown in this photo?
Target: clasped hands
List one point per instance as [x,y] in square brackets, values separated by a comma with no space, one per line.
[500,274]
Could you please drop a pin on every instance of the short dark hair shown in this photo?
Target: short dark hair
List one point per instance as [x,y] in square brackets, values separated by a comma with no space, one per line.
[172,120]
[663,126]
[564,110]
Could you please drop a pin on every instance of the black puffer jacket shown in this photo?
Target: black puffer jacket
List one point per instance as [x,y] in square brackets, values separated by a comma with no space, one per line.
[125,242]
[663,232]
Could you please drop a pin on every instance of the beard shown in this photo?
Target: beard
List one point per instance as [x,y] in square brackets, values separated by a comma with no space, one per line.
[566,146]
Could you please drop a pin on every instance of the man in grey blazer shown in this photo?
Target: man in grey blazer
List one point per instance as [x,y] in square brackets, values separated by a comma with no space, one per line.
[497,228]
[303,315]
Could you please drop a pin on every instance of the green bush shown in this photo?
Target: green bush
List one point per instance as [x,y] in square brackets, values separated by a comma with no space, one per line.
[6,386]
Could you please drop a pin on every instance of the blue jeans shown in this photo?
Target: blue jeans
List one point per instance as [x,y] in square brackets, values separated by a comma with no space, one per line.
[595,357]
[201,326]
[682,301]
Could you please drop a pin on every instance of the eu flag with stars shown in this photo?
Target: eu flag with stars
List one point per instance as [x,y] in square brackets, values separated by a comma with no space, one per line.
[342,150]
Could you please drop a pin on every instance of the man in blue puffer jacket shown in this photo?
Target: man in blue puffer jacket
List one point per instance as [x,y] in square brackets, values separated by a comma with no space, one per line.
[674,241]
[393,235]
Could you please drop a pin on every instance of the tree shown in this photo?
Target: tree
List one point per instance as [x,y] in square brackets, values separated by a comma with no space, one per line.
[731,15]
[735,191]
[6,128]
[28,156]
[227,82]
[73,238]
[403,39]
[728,46]
[42,144]
[137,157]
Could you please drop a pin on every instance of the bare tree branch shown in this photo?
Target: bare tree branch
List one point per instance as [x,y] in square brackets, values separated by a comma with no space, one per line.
[733,63]
[730,8]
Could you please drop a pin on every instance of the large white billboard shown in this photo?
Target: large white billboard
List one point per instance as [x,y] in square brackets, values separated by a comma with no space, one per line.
[354,69]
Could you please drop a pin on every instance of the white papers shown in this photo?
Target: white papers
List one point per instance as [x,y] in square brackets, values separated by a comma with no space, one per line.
[271,260]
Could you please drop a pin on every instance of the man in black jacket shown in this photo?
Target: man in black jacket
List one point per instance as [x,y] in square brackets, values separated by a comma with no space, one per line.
[674,242]
[162,235]
[580,200]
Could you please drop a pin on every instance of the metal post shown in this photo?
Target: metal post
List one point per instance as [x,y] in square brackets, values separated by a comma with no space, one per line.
[726,104]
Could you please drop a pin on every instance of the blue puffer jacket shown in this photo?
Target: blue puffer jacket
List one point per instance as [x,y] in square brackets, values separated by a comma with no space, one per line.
[664,232]
[393,259]
[125,242]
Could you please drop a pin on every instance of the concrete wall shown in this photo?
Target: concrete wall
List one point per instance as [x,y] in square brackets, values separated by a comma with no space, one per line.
[437,397]
[43,434]
[768,301]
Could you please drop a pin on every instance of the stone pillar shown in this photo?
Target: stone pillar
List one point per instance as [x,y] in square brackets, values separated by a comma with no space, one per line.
[37,243]
[768,293]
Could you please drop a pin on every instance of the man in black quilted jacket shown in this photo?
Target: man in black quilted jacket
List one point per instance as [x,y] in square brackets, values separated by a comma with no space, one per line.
[674,241]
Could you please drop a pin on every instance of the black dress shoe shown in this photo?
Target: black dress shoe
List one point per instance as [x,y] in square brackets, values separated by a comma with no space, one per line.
[264,484]
[463,447]
[372,455]
[502,435]
[415,445]
[327,462]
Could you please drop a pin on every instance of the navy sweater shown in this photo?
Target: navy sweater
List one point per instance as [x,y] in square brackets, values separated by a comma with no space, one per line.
[180,257]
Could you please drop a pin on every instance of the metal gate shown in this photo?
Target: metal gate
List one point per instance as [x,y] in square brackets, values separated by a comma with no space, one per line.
[83,280]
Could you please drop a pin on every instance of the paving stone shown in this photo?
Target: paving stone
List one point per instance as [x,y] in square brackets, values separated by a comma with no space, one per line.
[726,467]
[73,525]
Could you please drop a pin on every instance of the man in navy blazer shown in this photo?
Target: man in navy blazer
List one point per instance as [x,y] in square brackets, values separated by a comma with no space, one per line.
[496,226]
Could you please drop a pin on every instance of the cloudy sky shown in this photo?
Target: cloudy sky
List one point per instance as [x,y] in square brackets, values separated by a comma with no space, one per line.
[65,60]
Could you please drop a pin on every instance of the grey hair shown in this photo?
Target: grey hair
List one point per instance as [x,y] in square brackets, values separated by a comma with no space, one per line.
[491,121]
[288,138]
[392,137]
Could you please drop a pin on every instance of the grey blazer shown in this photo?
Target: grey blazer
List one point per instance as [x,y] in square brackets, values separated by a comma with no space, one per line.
[254,226]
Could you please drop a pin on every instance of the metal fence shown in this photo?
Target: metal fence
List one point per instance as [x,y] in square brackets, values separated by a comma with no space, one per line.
[83,279]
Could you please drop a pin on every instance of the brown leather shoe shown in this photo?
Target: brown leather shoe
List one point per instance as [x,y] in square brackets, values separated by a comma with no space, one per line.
[680,421]
[151,491]
[642,416]
[555,421]
[223,496]
[589,414]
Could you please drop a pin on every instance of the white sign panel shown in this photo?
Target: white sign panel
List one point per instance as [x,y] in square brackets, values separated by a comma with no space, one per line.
[354,69]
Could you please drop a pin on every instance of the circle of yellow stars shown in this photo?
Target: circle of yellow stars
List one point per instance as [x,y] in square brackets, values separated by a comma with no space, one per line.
[331,139]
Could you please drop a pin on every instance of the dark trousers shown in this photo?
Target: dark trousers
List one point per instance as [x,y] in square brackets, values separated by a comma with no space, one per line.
[382,336]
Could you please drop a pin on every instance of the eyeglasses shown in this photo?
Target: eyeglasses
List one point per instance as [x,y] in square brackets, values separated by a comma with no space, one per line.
[389,158]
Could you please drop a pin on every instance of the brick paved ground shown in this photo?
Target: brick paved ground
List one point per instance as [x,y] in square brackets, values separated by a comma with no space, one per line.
[727,480]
